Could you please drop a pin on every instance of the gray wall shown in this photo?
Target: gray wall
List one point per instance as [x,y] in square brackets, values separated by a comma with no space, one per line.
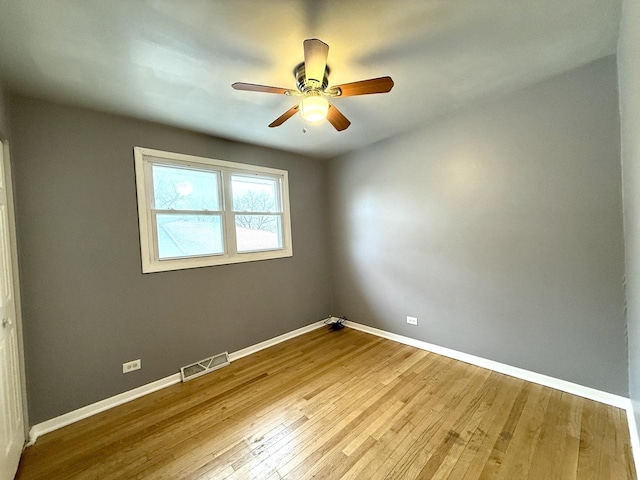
[629,79]
[499,227]
[87,308]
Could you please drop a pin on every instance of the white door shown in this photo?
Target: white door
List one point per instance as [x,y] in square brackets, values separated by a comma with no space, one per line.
[11,419]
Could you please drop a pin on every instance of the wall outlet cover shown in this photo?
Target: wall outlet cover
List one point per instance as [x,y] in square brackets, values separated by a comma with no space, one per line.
[131,366]
[412,320]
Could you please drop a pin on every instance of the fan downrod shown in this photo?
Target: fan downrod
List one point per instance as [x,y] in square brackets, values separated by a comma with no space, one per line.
[303,85]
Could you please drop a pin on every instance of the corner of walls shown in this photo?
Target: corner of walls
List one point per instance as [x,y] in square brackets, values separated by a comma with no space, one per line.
[329,207]
[628,61]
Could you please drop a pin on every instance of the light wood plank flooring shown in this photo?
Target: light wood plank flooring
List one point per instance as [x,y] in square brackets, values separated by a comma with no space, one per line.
[343,405]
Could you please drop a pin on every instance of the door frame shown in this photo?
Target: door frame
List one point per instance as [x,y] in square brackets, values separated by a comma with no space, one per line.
[13,245]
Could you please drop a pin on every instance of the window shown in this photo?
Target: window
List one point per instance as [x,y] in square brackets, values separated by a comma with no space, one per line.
[197,212]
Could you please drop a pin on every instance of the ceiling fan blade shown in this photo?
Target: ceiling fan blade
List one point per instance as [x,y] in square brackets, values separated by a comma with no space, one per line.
[337,119]
[252,87]
[315,59]
[363,87]
[284,117]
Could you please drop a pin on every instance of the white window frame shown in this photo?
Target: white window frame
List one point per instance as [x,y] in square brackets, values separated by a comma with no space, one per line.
[146,157]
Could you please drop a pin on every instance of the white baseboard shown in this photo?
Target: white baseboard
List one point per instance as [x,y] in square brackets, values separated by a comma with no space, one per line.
[94,408]
[274,341]
[101,406]
[558,384]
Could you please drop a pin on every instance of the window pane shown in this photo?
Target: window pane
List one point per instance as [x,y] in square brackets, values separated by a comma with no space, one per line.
[189,235]
[185,189]
[255,194]
[258,232]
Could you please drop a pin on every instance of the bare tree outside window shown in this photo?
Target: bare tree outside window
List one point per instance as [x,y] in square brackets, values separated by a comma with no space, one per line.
[255,201]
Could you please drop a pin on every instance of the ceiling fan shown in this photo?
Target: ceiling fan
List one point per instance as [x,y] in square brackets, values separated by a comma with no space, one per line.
[312,82]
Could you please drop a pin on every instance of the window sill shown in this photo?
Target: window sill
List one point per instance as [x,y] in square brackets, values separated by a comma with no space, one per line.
[212,261]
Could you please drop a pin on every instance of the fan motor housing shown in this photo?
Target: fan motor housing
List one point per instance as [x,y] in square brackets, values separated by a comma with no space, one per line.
[301,81]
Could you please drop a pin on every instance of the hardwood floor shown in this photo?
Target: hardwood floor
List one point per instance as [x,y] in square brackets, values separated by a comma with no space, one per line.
[343,405]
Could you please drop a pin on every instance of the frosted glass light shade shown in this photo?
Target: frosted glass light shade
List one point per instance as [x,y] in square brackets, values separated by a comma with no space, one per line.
[314,108]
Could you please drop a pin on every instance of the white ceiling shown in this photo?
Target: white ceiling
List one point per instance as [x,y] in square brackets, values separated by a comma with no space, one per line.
[174,61]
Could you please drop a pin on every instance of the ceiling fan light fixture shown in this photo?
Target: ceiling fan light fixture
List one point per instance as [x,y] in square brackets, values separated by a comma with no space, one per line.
[312,82]
[314,108]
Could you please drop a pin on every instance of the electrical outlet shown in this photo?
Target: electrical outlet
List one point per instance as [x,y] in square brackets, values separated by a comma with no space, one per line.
[412,320]
[131,366]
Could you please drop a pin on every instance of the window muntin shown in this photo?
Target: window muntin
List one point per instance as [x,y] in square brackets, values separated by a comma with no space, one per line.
[196,211]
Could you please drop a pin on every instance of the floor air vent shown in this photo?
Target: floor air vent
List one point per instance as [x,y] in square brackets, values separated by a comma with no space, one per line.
[204,366]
